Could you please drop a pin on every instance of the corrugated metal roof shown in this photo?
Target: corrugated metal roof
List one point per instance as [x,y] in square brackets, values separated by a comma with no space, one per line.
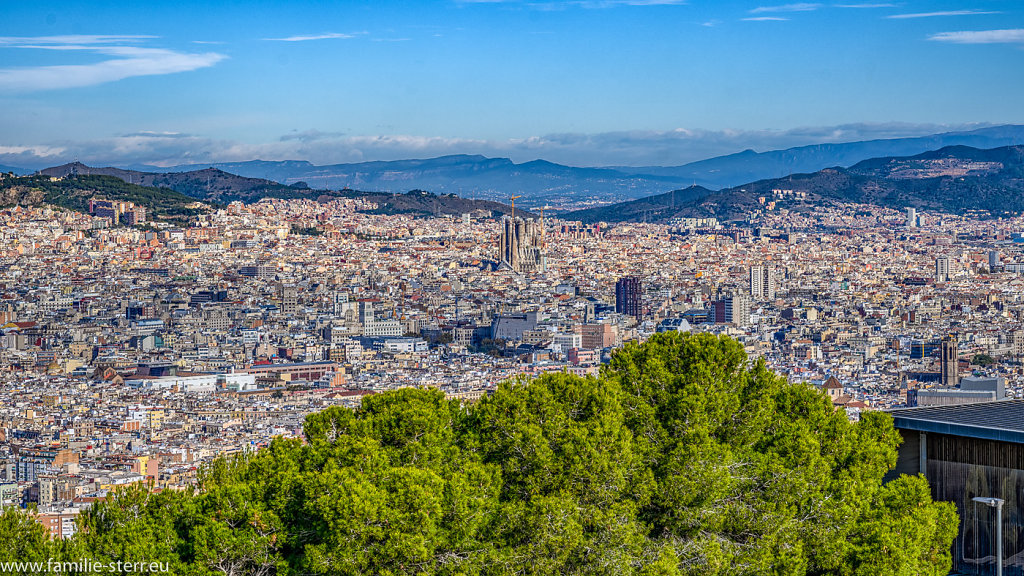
[1001,420]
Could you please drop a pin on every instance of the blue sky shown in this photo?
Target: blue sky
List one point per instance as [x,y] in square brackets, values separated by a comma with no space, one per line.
[584,82]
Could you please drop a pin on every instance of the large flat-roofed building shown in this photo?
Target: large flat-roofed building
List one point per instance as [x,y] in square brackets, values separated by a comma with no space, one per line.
[594,336]
[195,383]
[297,371]
[257,271]
[972,389]
[512,326]
[969,451]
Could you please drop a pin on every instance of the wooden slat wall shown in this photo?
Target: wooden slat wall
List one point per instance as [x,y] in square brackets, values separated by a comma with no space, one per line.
[960,469]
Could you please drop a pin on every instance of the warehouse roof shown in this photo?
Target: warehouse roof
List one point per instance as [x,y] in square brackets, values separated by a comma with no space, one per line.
[1000,420]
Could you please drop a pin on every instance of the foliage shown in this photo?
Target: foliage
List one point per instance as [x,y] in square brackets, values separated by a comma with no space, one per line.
[681,458]
[136,526]
[983,360]
[490,346]
[22,539]
[306,230]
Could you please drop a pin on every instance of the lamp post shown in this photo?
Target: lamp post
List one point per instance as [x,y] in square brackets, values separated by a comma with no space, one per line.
[996,503]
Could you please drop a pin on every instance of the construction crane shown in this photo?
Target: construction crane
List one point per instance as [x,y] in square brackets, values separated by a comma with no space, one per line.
[542,209]
[512,200]
[543,232]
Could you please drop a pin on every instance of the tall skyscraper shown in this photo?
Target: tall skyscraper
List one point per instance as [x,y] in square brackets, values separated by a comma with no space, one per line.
[993,260]
[949,368]
[911,218]
[762,282]
[627,296]
[519,247]
[942,269]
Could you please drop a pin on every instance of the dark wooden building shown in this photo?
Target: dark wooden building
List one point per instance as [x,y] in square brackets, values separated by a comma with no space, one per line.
[968,451]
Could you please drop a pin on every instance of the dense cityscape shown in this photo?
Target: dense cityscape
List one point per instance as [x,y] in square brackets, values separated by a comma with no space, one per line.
[512,288]
[134,354]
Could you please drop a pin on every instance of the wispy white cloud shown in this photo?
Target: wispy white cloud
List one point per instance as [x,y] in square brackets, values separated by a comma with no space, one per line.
[765,19]
[799,7]
[129,60]
[942,13]
[75,39]
[325,36]
[869,5]
[1008,36]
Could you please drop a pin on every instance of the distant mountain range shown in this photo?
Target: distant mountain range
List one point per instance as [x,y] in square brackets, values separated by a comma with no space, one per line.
[538,182]
[541,182]
[749,166]
[216,186]
[19,171]
[954,179]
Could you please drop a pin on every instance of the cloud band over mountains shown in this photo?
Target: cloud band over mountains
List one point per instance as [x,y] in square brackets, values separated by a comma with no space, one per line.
[626,148]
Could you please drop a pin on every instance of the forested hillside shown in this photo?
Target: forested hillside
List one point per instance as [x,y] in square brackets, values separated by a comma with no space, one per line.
[74,192]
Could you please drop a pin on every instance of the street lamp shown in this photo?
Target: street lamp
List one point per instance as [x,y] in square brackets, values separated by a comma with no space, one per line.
[996,503]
